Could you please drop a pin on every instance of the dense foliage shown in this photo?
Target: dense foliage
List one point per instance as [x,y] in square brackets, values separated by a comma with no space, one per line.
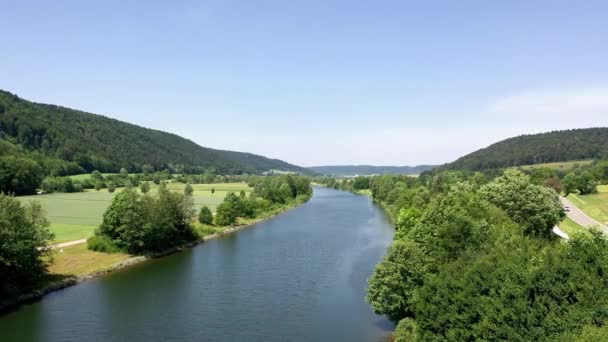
[23,236]
[354,170]
[205,216]
[80,140]
[575,144]
[269,191]
[473,259]
[137,223]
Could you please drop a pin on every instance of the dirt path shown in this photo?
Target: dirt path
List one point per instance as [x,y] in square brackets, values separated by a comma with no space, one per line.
[578,216]
[66,244]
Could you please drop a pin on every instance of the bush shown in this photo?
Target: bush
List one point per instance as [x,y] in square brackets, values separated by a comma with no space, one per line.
[205,216]
[101,244]
[406,331]
[188,190]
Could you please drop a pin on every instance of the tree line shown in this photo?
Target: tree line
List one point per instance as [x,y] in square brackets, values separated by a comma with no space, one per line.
[474,258]
[61,141]
[556,146]
[138,222]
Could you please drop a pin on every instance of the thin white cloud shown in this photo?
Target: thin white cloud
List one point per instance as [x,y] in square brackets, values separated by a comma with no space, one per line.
[429,143]
[565,108]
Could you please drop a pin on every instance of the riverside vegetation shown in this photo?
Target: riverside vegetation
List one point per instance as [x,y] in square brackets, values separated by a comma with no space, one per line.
[474,258]
[136,222]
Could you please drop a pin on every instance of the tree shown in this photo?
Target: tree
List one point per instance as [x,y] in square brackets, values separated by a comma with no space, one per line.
[406,220]
[553,183]
[582,182]
[242,194]
[212,191]
[601,169]
[19,176]
[137,224]
[188,190]
[23,230]
[406,331]
[361,183]
[536,208]
[231,208]
[124,173]
[570,183]
[98,186]
[205,216]
[144,187]
[111,187]
[128,184]
[97,176]
[147,169]
[392,285]
[225,214]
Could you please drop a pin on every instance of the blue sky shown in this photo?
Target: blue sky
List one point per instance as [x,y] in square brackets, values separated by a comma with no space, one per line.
[318,82]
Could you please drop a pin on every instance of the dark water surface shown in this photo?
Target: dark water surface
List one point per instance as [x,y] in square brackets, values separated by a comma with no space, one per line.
[298,277]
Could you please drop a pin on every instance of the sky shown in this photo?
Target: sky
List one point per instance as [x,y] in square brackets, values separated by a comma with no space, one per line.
[318,82]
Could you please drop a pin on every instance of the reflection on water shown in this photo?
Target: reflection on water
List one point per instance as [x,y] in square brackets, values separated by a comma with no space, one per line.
[298,277]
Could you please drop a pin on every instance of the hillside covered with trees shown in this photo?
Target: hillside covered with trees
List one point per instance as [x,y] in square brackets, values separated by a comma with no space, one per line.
[72,141]
[354,170]
[556,146]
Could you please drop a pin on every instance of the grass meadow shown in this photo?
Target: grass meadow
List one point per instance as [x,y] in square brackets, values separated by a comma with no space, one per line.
[75,216]
[594,205]
[563,166]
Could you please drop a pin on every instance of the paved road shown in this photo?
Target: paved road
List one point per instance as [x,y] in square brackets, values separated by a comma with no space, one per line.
[578,216]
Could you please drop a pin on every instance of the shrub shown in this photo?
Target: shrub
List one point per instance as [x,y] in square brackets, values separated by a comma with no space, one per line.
[101,244]
[205,216]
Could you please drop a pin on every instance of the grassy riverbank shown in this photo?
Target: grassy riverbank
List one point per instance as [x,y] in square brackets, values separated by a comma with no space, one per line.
[70,265]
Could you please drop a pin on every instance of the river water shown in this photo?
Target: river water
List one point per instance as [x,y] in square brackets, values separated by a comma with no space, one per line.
[300,276]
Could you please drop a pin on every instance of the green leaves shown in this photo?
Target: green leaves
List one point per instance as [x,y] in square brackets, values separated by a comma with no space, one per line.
[23,235]
[536,208]
[142,223]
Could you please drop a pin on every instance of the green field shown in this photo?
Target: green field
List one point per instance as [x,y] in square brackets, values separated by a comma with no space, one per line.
[594,205]
[74,216]
[84,176]
[571,228]
[564,166]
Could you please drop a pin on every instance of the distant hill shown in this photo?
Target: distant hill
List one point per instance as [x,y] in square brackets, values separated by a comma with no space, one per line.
[96,142]
[352,170]
[556,146]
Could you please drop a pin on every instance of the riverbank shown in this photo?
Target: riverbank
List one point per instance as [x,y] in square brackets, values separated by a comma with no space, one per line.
[58,280]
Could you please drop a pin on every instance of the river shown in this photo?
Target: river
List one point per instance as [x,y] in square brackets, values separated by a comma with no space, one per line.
[300,276]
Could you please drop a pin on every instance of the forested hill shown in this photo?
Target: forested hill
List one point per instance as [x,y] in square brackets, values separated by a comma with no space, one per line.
[556,146]
[353,170]
[99,143]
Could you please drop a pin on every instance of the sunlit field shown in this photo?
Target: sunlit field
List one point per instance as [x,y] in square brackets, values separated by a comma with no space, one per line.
[563,166]
[74,216]
[594,205]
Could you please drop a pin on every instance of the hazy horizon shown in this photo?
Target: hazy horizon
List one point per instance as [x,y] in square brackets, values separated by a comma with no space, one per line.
[318,82]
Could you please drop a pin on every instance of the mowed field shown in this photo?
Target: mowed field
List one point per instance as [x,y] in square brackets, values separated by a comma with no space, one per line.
[564,166]
[75,216]
[594,205]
